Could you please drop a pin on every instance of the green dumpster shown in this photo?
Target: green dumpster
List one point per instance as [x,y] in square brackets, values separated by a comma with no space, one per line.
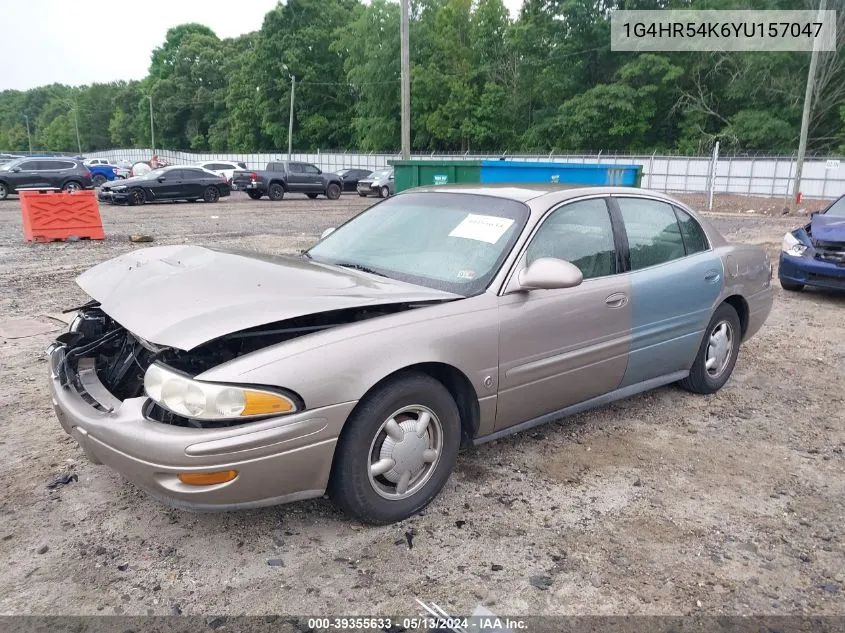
[416,173]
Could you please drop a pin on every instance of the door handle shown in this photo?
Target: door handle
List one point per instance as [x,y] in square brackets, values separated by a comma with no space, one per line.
[712,276]
[617,300]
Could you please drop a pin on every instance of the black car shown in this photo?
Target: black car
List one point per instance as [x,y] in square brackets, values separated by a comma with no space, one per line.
[351,176]
[67,174]
[167,183]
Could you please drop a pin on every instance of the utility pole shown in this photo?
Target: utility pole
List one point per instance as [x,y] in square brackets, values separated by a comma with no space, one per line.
[76,125]
[290,121]
[405,81]
[805,117]
[28,135]
[152,130]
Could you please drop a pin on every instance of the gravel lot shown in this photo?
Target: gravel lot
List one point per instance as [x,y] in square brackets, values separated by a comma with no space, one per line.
[666,503]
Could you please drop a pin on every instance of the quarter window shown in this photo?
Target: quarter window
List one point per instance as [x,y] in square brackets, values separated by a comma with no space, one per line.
[695,240]
[580,233]
[654,236]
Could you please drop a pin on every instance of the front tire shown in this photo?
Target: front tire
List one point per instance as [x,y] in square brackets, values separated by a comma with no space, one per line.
[311,195]
[385,192]
[211,194]
[255,195]
[333,191]
[137,197]
[717,353]
[276,192]
[4,191]
[397,450]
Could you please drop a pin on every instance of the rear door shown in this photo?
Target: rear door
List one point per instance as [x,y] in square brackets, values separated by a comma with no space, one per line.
[194,182]
[561,347]
[675,278]
[296,177]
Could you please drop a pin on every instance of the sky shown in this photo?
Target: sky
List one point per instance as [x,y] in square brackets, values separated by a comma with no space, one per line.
[74,43]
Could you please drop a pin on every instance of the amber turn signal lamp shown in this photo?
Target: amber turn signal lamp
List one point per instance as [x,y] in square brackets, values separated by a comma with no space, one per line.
[207,479]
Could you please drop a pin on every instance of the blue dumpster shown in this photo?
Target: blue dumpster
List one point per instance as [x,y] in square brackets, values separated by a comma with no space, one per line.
[512,171]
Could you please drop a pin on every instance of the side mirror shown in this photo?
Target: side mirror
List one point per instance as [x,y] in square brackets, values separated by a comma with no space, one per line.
[16,169]
[319,171]
[327,232]
[161,178]
[390,177]
[548,273]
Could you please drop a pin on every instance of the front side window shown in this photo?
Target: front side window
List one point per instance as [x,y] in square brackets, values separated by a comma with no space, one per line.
[310,169]
[654,236]
[448,241]
[580,233]
[29,165]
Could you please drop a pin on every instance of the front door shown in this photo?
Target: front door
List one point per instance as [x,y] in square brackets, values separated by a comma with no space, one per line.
[172,185]
[562,347]
[313,178]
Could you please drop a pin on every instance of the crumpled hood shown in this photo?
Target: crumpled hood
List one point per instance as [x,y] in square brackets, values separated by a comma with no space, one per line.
[183,296]
[827,228]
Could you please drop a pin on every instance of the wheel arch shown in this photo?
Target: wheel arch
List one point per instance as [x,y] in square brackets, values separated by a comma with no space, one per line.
[738,303]
[277,181]
[457,384]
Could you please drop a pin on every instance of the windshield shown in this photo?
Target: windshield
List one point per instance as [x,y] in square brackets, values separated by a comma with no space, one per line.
[381,174]
[447,241]
[837,209]
[9,164]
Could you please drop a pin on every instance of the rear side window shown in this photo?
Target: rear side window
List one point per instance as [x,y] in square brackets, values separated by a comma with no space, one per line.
[580,233]
[654,236]
[695,240]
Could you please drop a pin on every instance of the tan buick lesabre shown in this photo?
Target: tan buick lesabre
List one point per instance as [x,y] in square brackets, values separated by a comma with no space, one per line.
[435,319]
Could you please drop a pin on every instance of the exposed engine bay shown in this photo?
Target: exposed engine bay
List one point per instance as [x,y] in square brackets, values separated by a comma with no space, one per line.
[120,359]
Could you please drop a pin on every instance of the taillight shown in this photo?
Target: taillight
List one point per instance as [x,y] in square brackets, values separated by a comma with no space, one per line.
[254,176]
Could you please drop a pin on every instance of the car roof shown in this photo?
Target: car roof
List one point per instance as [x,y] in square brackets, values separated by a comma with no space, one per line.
[524,192]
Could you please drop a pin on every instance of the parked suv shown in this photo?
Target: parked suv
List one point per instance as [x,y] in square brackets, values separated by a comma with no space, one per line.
[67,174]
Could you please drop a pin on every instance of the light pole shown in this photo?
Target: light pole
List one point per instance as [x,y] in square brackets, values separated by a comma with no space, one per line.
[76,125]
[290,122]
[28,136]
[406,82]
[152,130]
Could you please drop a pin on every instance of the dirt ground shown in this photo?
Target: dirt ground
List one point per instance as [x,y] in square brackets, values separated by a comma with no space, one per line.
[665,503]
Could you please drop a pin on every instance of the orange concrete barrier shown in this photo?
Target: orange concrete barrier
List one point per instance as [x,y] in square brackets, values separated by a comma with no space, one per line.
[50,216]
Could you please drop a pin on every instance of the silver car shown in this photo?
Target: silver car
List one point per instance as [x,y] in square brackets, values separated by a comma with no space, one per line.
[438,318]
[380,183]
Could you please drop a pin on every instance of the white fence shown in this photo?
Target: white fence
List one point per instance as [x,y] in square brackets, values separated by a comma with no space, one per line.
[768,176]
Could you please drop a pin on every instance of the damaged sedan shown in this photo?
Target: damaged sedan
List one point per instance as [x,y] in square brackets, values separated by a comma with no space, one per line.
[814,254]
[438,318]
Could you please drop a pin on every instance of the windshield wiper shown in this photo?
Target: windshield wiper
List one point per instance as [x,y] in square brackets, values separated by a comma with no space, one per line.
[363,269]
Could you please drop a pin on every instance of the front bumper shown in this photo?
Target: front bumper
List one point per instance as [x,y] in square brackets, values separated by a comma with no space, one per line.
[367,189]
[113,197]
[811,271]
[278,459]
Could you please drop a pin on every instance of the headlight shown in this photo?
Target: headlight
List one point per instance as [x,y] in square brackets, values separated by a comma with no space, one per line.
[791,245]
[118,188]
[211,401]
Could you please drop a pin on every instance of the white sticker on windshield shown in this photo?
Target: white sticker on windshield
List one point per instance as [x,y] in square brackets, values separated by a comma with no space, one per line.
[483,228]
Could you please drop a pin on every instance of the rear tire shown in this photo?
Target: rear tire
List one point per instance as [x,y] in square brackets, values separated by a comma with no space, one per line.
[99,180]
[276,192]
[424,463]
[255,195]
[790,286]
[211,194]
[363,195]
[311,195]
[333,191]
[72,186]
[717,353]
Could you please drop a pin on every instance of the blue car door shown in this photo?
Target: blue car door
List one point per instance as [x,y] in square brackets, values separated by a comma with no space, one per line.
[676,278]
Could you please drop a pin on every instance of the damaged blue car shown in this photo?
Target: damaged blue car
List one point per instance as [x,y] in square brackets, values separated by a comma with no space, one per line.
[814,254]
